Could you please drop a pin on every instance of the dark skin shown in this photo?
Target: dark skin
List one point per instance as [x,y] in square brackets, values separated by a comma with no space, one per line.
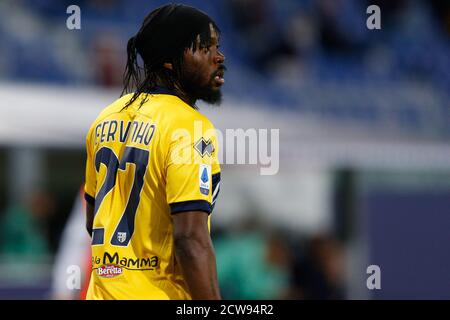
[192,242]
[195,253]
[89,218]
[206,65]
[193,246]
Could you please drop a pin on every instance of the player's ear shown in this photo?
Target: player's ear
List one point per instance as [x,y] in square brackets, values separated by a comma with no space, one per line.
[168,65]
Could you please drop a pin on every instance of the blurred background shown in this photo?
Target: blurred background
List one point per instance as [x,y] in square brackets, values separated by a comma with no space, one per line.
[364,120]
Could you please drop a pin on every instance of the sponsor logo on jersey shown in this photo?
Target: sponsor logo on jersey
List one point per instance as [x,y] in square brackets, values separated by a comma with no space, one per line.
[204,178]
[109,271]
[204,147]
[148,263]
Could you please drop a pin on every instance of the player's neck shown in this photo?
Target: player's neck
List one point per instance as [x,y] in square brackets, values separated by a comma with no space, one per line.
[180,93]
[183,96]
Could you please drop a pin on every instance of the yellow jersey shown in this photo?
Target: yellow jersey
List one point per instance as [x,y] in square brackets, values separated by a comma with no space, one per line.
[145,163]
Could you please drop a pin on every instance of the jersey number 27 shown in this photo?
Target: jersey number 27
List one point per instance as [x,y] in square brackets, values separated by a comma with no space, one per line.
[125,227]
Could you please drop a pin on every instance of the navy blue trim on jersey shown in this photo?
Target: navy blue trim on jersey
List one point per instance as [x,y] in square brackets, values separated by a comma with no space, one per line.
[215,188]
[193,205]
[98,236]
[89,199]
[162,90]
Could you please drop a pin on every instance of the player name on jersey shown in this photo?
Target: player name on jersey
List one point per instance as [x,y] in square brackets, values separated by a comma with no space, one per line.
[139,132]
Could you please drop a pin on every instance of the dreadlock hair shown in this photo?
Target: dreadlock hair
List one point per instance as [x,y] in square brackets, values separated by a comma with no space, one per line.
[163,37]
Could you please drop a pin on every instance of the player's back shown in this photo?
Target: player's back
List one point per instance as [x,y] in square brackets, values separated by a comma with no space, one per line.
[135,185]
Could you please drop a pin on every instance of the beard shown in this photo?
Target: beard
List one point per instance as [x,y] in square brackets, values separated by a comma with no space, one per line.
[192,83]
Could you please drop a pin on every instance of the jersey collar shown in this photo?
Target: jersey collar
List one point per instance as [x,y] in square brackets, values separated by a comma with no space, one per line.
[165,90]
[162,90]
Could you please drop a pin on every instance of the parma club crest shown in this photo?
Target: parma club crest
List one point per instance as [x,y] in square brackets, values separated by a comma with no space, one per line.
[121,236]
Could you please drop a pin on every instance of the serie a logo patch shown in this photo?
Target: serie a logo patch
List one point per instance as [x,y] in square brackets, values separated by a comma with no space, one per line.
[204,178]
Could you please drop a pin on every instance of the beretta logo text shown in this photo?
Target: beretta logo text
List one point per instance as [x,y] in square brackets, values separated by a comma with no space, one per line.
[109,271]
